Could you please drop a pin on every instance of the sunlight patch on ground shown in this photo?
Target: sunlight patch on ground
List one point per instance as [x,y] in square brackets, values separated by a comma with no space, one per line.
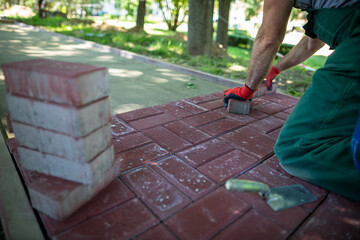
[124,73]
[159,80]
[105,58]
[126,108]
[237,68]
[38,52]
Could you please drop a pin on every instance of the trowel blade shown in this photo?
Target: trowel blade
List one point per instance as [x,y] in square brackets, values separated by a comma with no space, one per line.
[289,196]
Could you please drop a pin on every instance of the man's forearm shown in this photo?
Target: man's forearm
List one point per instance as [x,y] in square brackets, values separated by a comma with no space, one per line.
[262,56]
[298,54]
[268,40]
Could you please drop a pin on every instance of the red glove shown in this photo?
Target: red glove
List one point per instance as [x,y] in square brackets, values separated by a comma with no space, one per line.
[239,93]
[271,75]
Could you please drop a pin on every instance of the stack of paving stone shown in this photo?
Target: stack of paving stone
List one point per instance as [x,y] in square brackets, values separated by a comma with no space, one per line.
[60,114]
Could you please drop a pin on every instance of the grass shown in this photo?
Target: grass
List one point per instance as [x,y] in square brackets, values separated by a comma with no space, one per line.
[171,46]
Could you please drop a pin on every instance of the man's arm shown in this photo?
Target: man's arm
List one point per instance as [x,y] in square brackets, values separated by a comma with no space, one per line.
[298,54]
[268,40]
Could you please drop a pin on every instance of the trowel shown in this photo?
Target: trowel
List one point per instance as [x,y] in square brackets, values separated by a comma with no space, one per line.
[277,198]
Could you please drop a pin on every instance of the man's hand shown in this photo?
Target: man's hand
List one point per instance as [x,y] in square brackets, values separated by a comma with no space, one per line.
[239,93]
[271,75]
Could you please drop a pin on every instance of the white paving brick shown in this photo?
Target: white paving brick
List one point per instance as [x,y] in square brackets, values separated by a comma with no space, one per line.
[86,173]
[55,81]
[76,122]
[74,149]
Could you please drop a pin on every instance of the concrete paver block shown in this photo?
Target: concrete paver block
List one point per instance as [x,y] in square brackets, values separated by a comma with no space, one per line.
[55,81]
[262,90]
[73,121]
[86,173]
[59,198]
[74,149]
[240,107]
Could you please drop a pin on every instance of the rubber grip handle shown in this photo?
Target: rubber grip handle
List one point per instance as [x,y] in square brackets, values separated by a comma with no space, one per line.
[239,185]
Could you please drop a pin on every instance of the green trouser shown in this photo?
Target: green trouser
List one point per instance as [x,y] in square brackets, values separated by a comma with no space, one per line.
[315,142]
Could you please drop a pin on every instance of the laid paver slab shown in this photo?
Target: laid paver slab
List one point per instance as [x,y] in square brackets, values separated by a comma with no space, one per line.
[157,193]
[199,207]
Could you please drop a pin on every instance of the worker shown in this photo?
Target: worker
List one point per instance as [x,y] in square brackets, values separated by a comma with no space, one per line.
[315,143]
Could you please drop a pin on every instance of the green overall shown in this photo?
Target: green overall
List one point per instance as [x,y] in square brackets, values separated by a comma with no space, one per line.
[315,142]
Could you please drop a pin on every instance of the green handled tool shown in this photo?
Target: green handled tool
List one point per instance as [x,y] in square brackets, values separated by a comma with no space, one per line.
[276,197]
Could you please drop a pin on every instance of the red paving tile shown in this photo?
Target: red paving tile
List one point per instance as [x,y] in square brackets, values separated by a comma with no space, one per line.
[174,159]
[139,156]
[258,102]
[274,134]
[273,162]
[253,225]
[205,152]
[282,99]
[267,124]
[204,98]
[138,114]
[203,118]
[128,142]
[159,232]
[228,166]
[152,121]
[336,218]
[272,108]
[157,193]
[119,128]
[289,110]
[221,126]
[114,194]
[251,142]
[242,118]
[257,114]
[184,177]
[208,216]
[282,115]
[187,132]
[271,177]
[175,111]
[167,139]
[212,105]
[190,107]
[122,222]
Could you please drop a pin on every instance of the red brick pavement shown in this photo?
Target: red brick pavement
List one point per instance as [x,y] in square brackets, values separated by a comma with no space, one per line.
[174,161]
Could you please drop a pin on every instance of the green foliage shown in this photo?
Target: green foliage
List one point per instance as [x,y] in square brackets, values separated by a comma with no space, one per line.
[297,14]
[168,46]
[130,6]
[252,8]
[240,38]
[48,22]
[240,41]
[316,61]
[171,10]
[285,48]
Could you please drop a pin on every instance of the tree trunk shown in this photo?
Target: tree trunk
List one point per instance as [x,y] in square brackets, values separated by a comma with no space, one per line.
[200,27]
[140,17]
[223,23]
[42,12]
